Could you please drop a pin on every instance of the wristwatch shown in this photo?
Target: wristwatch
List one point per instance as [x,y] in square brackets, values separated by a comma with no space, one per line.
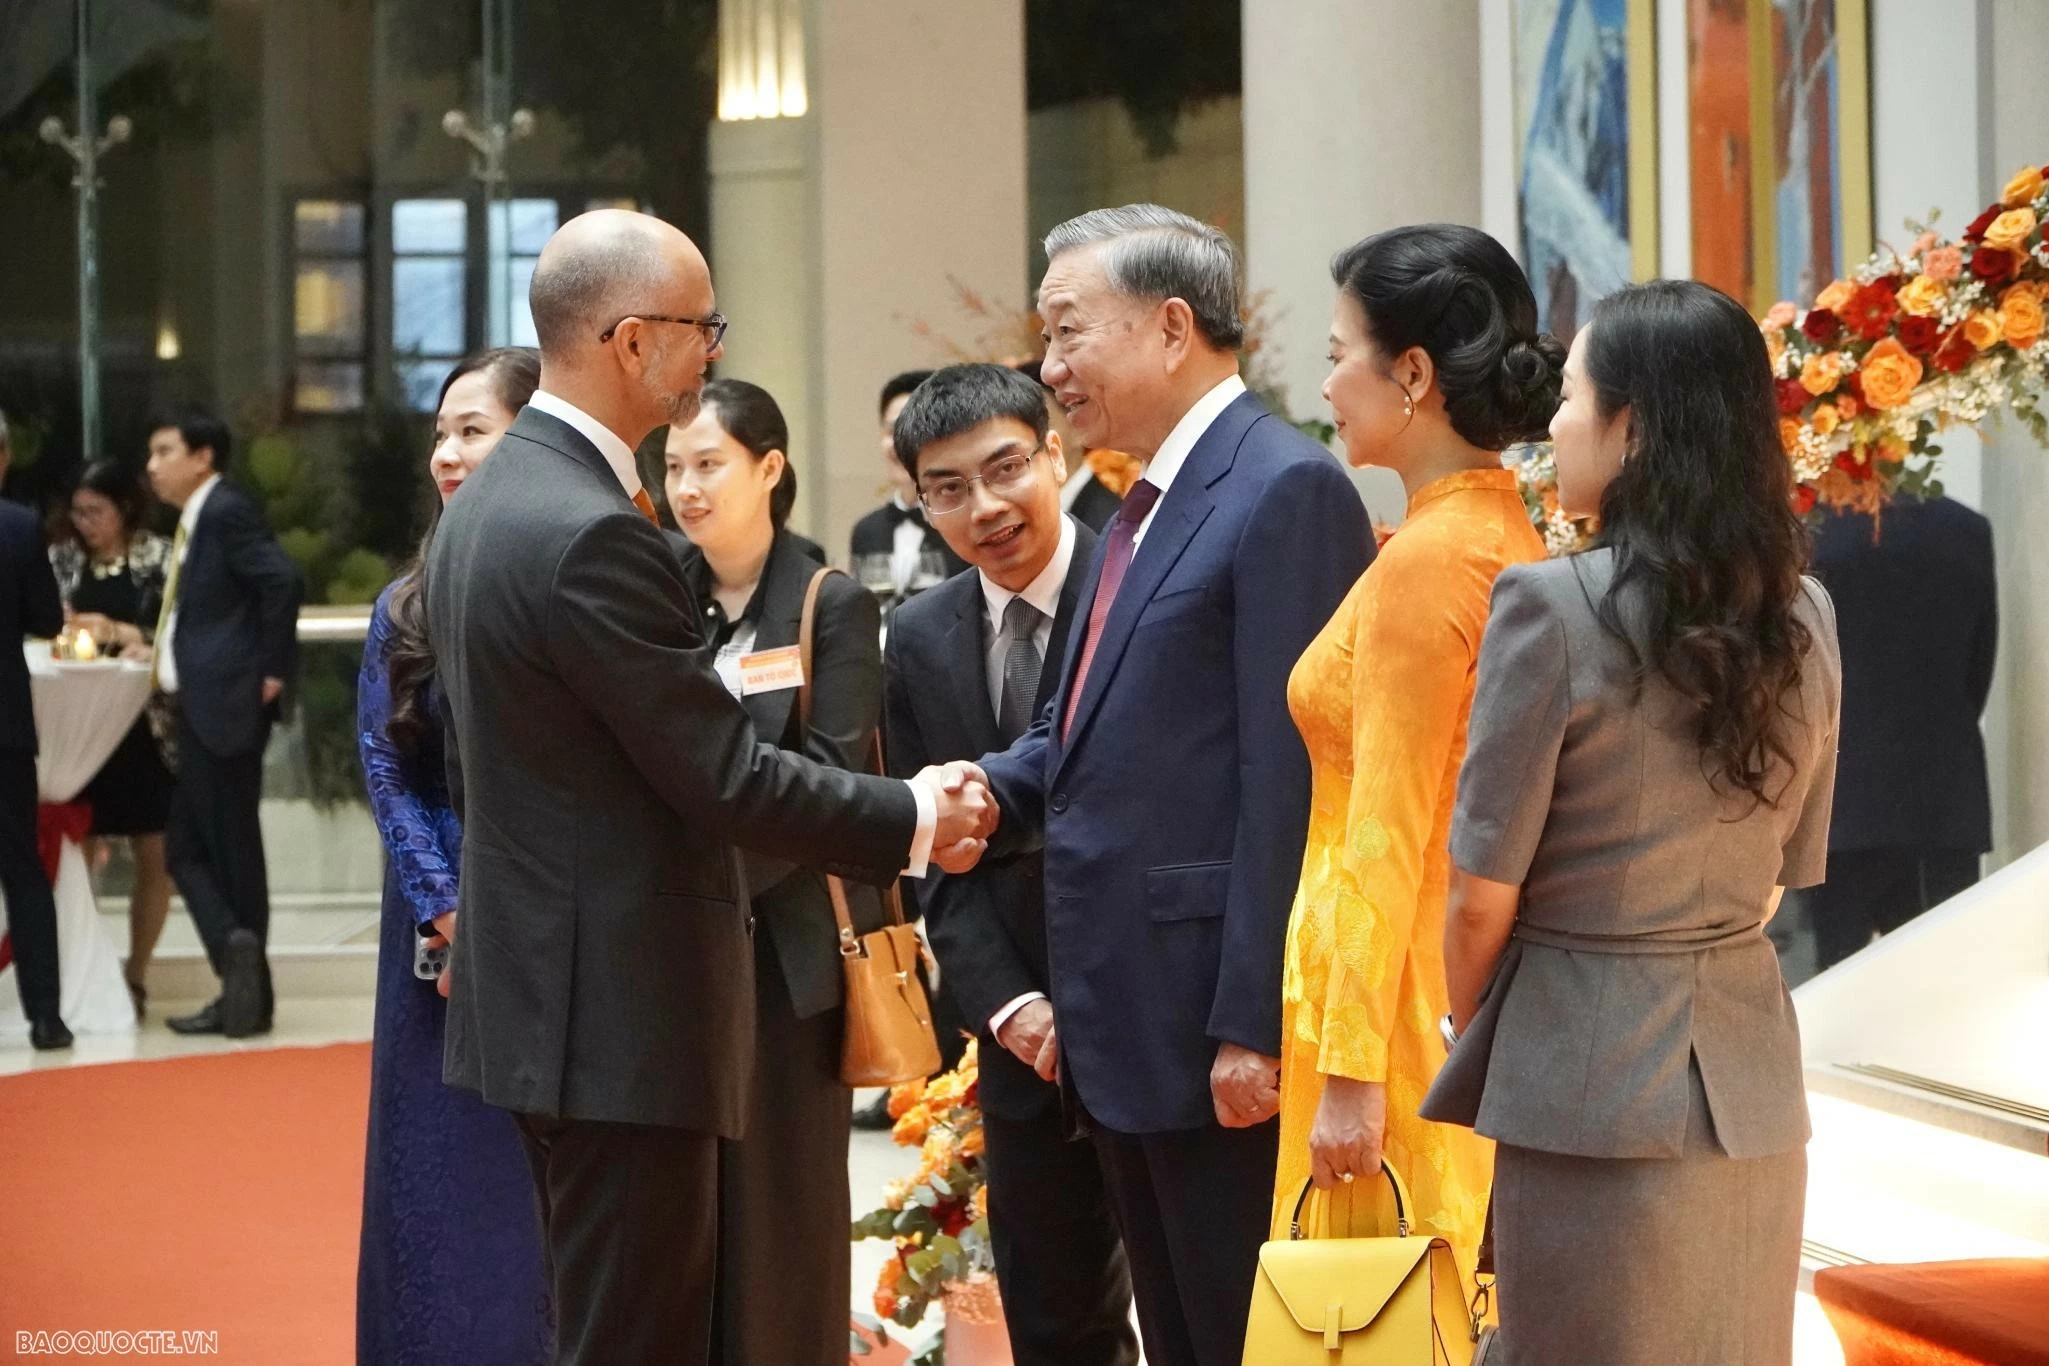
[1449,1034]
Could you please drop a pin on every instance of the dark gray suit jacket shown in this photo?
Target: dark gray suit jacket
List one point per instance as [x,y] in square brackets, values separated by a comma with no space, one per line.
[1638,951]
[603,968]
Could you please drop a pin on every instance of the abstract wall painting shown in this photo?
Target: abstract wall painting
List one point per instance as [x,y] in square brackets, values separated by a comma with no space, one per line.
[1586,142]
[1780,140]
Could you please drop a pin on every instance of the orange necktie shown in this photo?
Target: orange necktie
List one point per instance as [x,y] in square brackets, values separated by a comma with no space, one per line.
[647,508]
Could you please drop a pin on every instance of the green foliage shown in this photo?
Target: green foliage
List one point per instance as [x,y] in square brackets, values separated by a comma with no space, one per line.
[359,576]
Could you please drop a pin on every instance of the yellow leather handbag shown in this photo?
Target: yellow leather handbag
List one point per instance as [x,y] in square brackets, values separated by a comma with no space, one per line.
[1344,1301]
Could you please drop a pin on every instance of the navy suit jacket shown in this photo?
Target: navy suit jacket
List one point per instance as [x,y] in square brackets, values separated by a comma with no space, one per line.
[1173,817]
[1917,615]
[29,606]
[238,620]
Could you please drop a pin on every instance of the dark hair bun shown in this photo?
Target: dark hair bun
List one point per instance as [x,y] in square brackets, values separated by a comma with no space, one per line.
[1458,294]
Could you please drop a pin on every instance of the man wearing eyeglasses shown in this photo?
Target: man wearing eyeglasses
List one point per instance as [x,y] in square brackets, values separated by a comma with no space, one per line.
[601,976]
[966,671]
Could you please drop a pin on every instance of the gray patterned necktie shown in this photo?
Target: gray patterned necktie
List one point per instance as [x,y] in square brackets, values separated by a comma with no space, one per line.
[1021,666]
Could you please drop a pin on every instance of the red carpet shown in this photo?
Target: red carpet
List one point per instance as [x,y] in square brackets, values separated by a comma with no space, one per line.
[216,1194]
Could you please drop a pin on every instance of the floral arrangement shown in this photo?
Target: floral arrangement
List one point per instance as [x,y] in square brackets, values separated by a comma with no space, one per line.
[938,1218]
[1885,358]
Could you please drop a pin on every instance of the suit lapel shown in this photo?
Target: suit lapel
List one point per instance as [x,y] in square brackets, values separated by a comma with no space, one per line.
[1180,515]
[1079,577]
[545,429]
[966,651]
[784,580]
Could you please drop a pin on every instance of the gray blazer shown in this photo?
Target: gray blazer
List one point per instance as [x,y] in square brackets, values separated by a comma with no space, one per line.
[1638,949]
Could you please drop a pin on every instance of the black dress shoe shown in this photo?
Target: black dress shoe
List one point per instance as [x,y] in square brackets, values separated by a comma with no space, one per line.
[243,1010]
[205,1020]
[875,1115]
[48,1034]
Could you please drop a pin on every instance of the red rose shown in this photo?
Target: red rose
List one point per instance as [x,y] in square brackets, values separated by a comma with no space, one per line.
[1821,325]
[1793,397]
[1956,353]
[1919,334]
[1992,264]
[1859,470]
[1976,232]
[1853,385]
[1803,499]
[1871,309]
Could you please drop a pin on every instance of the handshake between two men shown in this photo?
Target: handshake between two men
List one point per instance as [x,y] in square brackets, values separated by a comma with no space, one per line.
[967,813]
[1244,1084]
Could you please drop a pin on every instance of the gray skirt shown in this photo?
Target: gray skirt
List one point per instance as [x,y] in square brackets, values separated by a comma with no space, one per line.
[1686,1261]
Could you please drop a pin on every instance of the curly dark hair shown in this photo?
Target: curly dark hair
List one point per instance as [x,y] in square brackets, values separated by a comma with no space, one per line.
[409,658]
[1701,520]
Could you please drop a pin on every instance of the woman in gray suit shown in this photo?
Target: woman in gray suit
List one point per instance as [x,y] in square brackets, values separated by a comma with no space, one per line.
[1651,761]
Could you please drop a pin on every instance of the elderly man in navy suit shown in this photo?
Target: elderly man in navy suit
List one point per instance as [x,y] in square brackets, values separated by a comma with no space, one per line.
[1166,779]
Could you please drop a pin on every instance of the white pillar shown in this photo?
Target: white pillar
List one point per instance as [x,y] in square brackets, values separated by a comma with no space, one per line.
[837,230]
[1359,115]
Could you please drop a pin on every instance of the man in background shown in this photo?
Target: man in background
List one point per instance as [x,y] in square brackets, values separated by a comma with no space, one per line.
[29,606]
[227,641]
[897,531]
[969,665]
[1917,614]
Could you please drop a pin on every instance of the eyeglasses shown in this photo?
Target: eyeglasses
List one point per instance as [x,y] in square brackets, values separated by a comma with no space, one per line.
[1006,478]
[712,329]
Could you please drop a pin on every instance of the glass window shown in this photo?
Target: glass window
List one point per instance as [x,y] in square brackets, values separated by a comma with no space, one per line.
[328,333]
[429,292]
[519,229]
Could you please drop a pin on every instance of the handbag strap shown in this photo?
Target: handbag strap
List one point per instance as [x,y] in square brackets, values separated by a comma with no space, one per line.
[1394,1181]
[892,898]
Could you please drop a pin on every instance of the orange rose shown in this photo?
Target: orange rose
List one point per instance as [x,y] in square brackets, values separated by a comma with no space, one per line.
[1780,315]
[2022,189]
[1890,373]
[1982,328]
[1789,435]
[1847,406]
[2011,230]
[973,1145]
[903,1096]
[2020,318]
[1824,419]
[1835,296]
[1923,296]
[1820,373]
[911,1126]
[1892,450]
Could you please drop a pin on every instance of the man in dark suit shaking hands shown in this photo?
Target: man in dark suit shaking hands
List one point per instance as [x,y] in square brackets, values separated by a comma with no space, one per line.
[227,642]
[602,970]
[969,664]
[1166,777]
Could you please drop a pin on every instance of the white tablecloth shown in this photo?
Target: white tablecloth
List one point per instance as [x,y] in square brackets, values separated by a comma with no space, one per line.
[82,712]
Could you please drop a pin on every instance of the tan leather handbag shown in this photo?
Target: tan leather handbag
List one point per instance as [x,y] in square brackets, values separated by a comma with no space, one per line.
[1344,1301]
[888,1035]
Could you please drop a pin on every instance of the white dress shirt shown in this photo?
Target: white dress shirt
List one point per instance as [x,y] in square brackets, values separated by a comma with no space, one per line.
[906,545]
[1173,452]
[1044,594]
[620,457]
[610,444]
[188,522]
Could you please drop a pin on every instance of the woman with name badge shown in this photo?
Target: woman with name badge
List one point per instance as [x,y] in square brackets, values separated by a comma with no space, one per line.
[784,1254]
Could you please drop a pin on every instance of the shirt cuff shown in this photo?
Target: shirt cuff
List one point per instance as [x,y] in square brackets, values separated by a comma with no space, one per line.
[996,1021]
[928,829]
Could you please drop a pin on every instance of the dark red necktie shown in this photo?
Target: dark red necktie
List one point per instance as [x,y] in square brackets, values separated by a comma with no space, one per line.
[1116,559]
